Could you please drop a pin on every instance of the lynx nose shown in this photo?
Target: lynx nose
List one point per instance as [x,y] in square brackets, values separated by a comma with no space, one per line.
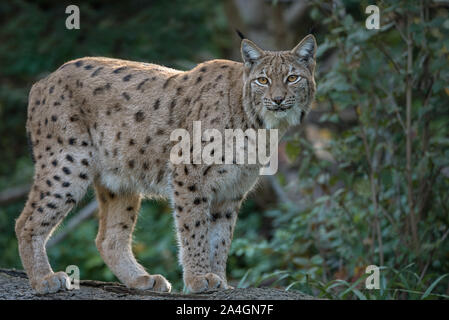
[278,100]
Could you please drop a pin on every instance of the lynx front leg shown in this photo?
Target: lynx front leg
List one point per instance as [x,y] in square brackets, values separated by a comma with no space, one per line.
[223,218]
[193,221]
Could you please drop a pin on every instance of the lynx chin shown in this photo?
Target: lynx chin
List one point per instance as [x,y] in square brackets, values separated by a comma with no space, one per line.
[107,123]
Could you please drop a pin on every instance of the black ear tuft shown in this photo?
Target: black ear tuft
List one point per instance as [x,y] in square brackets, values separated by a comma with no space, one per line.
[240,34]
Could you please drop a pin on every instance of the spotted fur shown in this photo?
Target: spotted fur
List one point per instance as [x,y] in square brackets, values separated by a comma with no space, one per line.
[107,122]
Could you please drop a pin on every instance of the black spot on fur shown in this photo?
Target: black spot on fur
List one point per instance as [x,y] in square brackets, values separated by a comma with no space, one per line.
[216,216]
[156,104]
[98,90]
[51,205]
[207,170]
[126,95]
[139,116]
[66,170]
[96,72]
[160,175]
[142,83]
[127,78]
[168,81]
[118,70]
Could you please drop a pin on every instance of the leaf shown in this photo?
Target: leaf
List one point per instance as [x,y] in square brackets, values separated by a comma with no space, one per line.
[291,285]
[242,281]
[432,286]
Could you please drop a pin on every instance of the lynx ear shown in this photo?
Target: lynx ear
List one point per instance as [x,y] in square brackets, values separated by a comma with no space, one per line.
[250,52]
[306,49]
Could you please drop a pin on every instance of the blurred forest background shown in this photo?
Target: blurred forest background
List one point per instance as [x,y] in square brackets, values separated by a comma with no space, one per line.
[365,181]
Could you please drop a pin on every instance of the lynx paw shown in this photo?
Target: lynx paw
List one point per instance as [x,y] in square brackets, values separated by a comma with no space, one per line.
[52,283]
[154,282]
[206,282]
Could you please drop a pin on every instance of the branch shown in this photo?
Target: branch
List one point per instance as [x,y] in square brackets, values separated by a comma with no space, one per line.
[373,194]
[408,102]
[388,56]
[395,106]
[13,194]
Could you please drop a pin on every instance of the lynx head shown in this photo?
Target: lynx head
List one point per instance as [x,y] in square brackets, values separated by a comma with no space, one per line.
[279,85]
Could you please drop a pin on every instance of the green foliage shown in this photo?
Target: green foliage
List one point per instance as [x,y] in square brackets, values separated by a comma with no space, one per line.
[363,215]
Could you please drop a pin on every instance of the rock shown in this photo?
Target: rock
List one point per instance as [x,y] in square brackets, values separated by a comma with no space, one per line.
[14,286]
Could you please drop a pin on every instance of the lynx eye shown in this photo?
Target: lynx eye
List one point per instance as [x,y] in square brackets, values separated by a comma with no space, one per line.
[262,80]
[292,78]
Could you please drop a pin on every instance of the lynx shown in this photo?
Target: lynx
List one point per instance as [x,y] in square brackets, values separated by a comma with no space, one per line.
[107,122]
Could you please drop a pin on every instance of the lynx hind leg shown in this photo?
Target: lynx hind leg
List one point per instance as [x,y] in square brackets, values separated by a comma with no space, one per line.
[118,216]
[53,194]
